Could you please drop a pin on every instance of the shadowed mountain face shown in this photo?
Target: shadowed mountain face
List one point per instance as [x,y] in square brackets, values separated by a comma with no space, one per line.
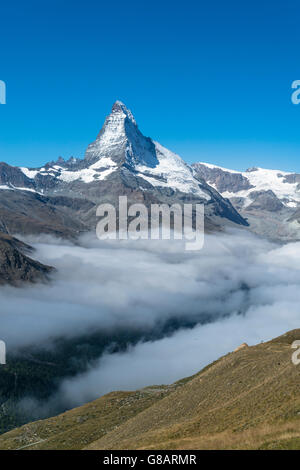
[120,162]
[248,399]
[16,266]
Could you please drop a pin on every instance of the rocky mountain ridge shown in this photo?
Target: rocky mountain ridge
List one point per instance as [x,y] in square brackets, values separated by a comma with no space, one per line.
[268,199]
[15,264]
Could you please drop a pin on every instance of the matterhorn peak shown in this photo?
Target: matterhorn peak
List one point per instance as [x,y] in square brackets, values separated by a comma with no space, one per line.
[121,141]
[119,107]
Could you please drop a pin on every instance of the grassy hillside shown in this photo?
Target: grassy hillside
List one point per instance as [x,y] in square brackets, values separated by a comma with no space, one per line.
[35,373]
[248,399]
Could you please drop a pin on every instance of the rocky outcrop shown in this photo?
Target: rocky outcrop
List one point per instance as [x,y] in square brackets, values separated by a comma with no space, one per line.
[15,265]
[221,179]
[265,200]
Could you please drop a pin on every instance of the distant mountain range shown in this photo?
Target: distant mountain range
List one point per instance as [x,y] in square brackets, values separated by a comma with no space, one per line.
[268,199]
[248,399]
[61,197]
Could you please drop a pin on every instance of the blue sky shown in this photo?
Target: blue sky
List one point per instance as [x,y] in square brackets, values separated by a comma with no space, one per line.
[209,80]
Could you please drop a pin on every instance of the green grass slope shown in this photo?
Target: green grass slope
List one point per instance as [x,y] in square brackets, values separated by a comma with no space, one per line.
[248,399]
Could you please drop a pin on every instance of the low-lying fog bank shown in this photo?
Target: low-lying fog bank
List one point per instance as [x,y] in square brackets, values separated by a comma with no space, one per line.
[244,288]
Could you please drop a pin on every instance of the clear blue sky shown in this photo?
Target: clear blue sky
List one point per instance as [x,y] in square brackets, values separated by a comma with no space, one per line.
[211,80]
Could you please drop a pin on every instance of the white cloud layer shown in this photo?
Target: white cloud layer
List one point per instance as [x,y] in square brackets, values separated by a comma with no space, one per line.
[253,283]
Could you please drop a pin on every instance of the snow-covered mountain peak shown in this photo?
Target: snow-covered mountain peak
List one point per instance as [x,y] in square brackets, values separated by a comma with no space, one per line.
[121,141]
[120,144]
[247,185]
[119,107]
[121,149]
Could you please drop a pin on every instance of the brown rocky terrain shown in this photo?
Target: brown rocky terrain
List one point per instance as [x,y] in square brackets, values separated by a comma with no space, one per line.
[16,266]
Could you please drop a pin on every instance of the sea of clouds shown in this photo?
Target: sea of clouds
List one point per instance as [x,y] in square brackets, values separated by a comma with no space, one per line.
[238,288]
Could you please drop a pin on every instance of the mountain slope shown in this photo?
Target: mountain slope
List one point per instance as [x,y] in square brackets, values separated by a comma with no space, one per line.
[120,162]
[247,399]
[24,212]
[16,266]
[247,389]
[268,199]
